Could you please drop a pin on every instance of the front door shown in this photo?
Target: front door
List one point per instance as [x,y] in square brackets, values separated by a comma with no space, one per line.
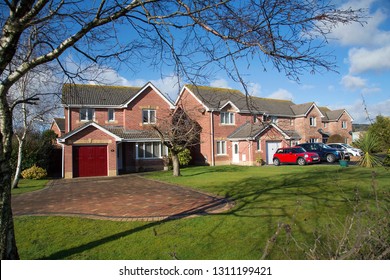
[271,150]
[236,152]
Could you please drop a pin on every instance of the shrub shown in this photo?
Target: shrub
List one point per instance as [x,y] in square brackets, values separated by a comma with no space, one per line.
[34,172]
[335,138]
[185,157]
[386,161]
[369,144]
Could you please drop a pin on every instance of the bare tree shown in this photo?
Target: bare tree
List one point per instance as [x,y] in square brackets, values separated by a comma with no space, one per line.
[288,34]
[178,132]
[39,89]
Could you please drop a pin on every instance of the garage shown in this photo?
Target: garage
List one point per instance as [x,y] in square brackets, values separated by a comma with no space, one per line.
[89,161]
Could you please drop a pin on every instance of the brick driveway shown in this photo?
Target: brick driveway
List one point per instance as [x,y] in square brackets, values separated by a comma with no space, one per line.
[122,198]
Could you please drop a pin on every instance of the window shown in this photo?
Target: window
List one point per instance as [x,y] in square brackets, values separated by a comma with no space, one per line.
[86,114]
[111,116]
[313,121]
[221,147]
[227,118]
[258,144]
[148,150]
[149,116]
[313,140]
[344,124]
[325,125]
[274,119]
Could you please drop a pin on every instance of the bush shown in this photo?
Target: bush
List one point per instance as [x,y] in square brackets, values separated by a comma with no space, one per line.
[185,157]
[335,138]
[386,161]
[34,172]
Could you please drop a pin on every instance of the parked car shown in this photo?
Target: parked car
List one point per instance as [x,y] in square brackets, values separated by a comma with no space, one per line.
[347,148]
[295,155]
[325,152]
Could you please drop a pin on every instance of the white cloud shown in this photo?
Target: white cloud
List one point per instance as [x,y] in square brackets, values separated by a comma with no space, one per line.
[254,89]
[363,60]
[352,82]
[281,94]
[368,35]
[359,114]
[220,83]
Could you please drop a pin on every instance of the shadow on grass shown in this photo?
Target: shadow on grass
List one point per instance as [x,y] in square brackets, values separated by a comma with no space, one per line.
[272,198]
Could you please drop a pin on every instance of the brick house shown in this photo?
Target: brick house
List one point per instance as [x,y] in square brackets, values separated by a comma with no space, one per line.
[241,130]
[107,129]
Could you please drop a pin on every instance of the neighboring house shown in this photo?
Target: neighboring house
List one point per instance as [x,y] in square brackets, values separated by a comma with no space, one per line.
[240,130]
[58,126]
[107,129]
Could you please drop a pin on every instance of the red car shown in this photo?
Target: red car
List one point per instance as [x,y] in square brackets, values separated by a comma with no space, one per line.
[294,155]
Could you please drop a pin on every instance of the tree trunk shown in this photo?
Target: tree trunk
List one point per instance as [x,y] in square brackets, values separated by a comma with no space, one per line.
[18,170]
[8,249]
[175,163]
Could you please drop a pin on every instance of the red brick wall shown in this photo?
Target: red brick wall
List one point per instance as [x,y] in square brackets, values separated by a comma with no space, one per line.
[302,126]
[335,127]
[149,99]
[197,112]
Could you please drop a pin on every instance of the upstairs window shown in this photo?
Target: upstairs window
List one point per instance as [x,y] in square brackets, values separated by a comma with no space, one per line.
[344,125]
[111,115]
[227,118]
[86,114]
[149,116]
[313,121]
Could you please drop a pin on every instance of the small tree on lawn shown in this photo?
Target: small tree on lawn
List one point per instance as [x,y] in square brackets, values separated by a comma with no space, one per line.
[178,133]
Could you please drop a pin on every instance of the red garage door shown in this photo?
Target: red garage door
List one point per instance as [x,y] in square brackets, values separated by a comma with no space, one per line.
[89,161]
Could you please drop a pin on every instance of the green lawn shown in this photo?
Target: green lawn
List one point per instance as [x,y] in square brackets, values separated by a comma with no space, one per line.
[310,201]
[28,185]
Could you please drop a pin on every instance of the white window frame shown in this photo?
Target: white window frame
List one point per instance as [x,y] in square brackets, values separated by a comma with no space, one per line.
[227,118]
[87,114]
[344,124]
[221,148]
[313,140]
[109,112]
[151,118]
[313,121]
[158,150]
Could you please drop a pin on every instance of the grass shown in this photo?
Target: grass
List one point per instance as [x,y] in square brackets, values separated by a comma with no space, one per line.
[28,185]
[307,198]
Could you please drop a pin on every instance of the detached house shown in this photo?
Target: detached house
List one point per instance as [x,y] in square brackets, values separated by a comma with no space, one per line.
[107,130]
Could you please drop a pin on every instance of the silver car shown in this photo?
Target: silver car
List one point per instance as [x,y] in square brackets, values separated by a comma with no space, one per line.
[352,151]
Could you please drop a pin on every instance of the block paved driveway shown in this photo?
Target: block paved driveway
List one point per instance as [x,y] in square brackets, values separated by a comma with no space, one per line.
[121,198]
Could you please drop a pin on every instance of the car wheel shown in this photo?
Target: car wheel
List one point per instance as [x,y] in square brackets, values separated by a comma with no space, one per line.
[276,162]
[330,158]
[301,161]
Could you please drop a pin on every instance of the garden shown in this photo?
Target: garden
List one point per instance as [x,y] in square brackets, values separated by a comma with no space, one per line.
[286,212]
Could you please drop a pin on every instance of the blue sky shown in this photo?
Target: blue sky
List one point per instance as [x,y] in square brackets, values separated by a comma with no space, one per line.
[363,66]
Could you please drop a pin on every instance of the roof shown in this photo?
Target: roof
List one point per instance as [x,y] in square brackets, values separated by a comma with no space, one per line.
[97,95]
[216,98]
[119,133]
[251,131]
[60,122]
[104,96]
